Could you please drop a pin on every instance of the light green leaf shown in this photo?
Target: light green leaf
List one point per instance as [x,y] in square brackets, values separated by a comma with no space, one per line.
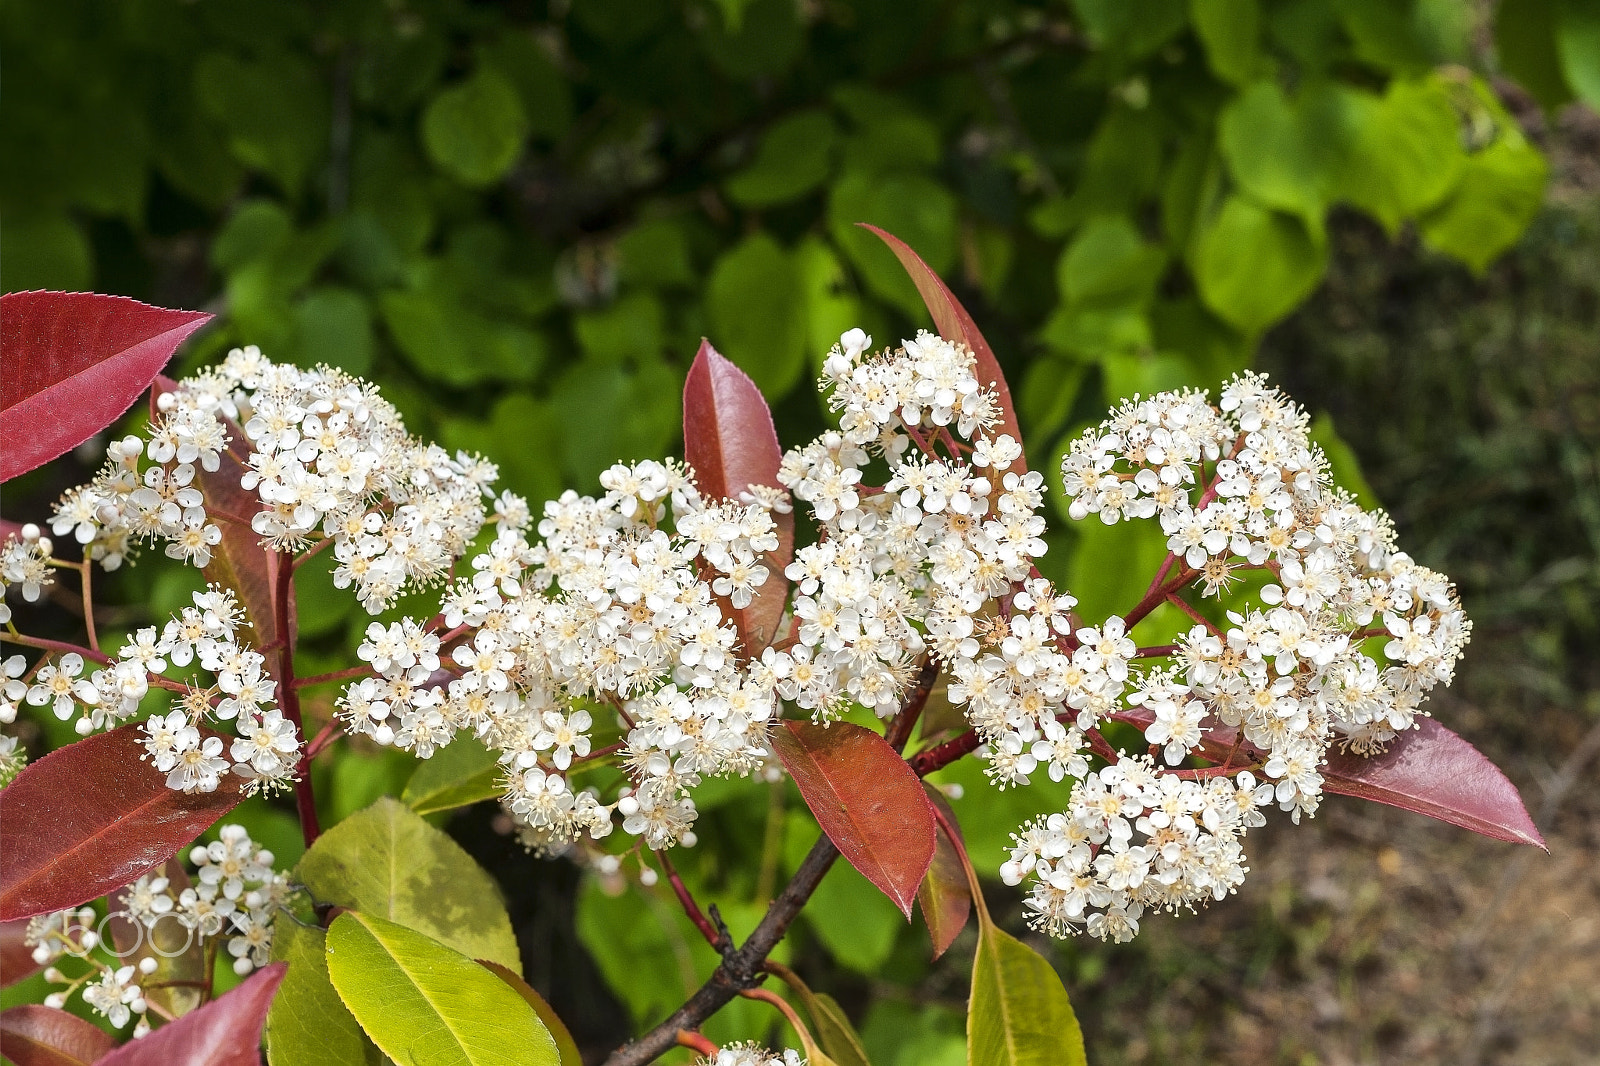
[854,920]
[462,772]
[308,1024]
[1578,42]
[1109,265]
[1406,152]
[831,306]
[757,313]
[448,342]
[1286,154]
[1386,34]
[1231,32]
[795,157]
[1253,265]
[567,1047]
[1019,1014]
[1501,189]
[258,228]
[426,1004]
[521,433]
[386,861]
[474,131]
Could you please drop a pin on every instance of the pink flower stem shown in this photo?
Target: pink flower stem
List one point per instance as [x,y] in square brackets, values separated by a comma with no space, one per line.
[282,604]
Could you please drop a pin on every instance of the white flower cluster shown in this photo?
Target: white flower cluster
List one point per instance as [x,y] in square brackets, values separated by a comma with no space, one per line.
[25,564]
[236,894]
[267,750]
[1235,487]
[328,459]
[751,1054]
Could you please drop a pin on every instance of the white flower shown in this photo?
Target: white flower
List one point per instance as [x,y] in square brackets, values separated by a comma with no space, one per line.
[57,683]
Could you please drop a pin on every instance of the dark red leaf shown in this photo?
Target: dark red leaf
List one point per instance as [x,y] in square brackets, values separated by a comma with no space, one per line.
[1432,771]
[90,818]
[566,1047]
[729,440]
[944,897]
[866,798]
[71,363]
[16,957]
[34,1035]
[224,1032]
[238,562]
[954,324]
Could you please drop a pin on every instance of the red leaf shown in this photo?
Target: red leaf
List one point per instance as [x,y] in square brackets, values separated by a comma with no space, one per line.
[90,818]
[239,562]
[566,1047]
[954,324]
[729,440]
[224,1032]
[866,798]
[71,363]
[944,897]
[34,1035]
[1432,771]
[16,957]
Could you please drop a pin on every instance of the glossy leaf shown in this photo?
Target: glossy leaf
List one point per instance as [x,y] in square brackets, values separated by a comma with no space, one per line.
[1019,1014]
[36,1035]
[424,1003]
[16,957]
[179,954]
[460,773]
[224,1032]
[387,862]
[829,1024]
[730,442]
[90,818]
[1254,265]
[1432,771]
[954,323]
[309,1024]
[71,363]
[866,798]
[945,900]
[566,1047]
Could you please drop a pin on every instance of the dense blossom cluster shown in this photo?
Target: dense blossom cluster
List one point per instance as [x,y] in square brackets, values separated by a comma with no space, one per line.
[234,894]
[750,1054]
[612,616]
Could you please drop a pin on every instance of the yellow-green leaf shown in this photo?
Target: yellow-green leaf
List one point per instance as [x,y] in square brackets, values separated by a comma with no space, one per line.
[425,1004]
[387,861]
[1019,1014]
[462,772]
[308,1024]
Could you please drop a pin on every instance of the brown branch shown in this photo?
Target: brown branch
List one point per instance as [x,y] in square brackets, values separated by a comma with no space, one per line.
[289,697]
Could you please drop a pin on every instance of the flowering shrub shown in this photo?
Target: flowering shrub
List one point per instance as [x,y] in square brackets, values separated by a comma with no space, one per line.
[614,654]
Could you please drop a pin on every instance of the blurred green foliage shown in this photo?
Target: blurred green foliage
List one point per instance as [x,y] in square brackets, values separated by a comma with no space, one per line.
[520,218]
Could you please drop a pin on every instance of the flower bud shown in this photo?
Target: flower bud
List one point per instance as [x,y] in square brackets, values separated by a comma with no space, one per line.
[648,877]
[56,1000]
[148,966]
[91,939]
[242,966]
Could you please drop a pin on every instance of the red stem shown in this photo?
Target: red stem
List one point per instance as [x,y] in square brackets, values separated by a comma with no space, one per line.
[690,907]
[337,675]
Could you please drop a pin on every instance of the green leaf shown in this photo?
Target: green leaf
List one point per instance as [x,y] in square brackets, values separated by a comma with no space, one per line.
[567,1047]
[274,108]
[1231,32]
[1406,152]
[1109,265]
[543,89]
[1578,42]
[474,131]
[795,156]
[1501,189]
[45,252]
[917,209]
[257,229]
[1132,30]
[887,133]
[758,314]
[522,434]
[386,861]
[831,1028]
[462,772]
[1286,154]
[632,327]
[856,922]
[1253,265]
[308,1024]
[1386,34]
[831,306]
[425,1004]
[1343,463]
[449,342]
[1019,1014]
[1525,39]
[334,326]
[656,253]
[766,40]
[645,948]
